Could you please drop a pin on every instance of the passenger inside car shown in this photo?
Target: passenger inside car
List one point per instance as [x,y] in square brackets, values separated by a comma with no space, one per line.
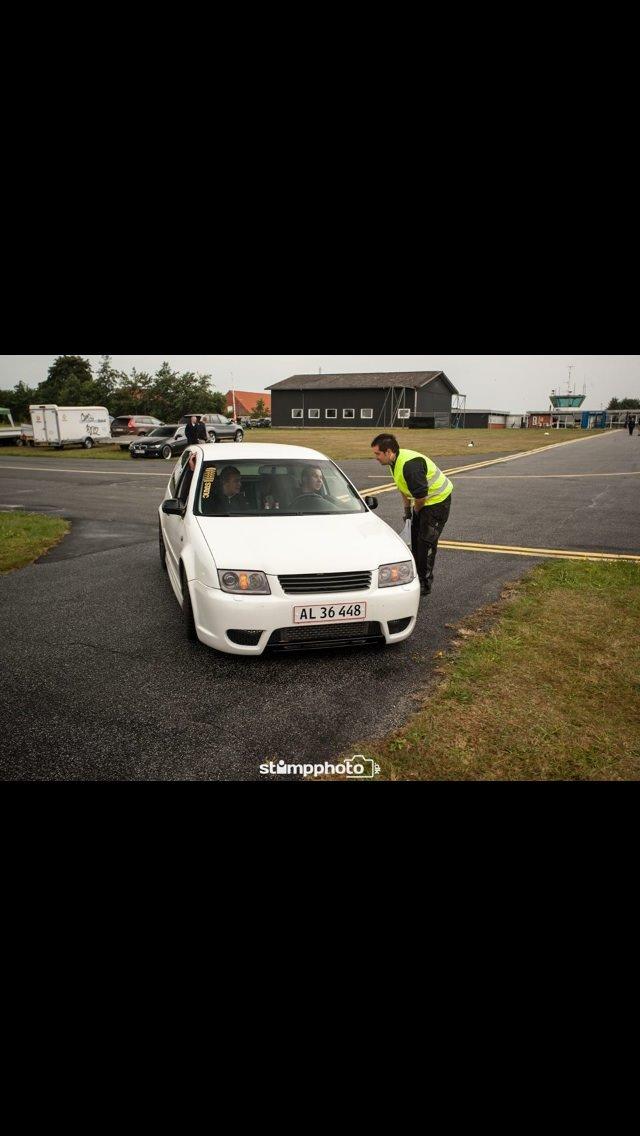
[231,492]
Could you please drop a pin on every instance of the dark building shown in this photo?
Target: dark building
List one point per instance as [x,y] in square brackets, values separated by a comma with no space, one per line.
[414,398]
[491,419]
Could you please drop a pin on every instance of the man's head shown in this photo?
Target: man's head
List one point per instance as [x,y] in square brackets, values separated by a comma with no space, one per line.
[385,449]
[312,480]
[194,420]
[231,481]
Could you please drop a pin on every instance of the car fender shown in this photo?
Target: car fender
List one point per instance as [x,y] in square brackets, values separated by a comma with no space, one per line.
[197,558]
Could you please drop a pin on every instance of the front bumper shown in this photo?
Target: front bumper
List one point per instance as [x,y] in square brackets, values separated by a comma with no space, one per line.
[216,614]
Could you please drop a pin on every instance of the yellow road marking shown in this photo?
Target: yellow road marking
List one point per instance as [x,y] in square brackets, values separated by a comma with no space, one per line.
[379,488]
[549,553]
[545,476]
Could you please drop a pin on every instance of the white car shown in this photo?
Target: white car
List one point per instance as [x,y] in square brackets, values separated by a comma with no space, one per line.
[272,547]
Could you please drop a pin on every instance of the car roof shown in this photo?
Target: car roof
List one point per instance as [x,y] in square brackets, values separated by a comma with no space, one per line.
[263,453]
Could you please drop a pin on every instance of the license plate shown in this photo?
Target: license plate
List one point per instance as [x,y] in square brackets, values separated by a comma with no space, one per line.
[330,613]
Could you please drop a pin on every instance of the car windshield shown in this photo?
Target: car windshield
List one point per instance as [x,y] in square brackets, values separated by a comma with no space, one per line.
[274,489]
[163,432]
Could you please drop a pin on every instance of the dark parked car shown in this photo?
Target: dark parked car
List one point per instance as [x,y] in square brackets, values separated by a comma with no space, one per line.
[169,442]
[262,424]
[164,442]
[128,424]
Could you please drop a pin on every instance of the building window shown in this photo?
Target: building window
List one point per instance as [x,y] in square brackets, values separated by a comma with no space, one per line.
[297,414]
[367,414]
[331,413]
[348,413]
[314,414]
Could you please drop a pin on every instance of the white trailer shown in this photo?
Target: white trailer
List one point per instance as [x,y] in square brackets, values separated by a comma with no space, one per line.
[60,426]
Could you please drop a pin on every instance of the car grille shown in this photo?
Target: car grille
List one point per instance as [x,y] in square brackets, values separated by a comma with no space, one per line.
[325,583]
[331,635]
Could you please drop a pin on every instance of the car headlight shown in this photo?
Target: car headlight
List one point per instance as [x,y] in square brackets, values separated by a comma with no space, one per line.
[393,575]
[244,583]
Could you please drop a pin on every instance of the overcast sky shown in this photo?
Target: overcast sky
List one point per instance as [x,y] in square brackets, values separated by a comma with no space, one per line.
[492,382]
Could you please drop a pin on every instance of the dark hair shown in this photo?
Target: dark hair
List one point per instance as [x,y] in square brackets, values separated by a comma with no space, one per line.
[386,442]
[230,471]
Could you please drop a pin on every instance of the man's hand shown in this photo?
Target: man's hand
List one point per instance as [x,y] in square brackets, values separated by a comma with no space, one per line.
[192,462]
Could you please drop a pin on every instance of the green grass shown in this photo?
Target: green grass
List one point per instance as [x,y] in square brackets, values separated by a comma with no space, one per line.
[351,445]
[550,692]
[25,537]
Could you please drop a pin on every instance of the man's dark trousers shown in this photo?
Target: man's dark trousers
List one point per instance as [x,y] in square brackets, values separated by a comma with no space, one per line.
[426,530]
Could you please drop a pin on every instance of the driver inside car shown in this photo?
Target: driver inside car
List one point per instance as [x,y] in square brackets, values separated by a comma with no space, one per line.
[312,481]
[313,496]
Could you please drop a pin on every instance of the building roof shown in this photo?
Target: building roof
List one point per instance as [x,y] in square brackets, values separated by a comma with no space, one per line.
[505,413]
[246,401]
[376,380]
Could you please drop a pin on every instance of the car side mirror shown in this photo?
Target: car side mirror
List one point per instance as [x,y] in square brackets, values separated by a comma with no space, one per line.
[372,503]
[173,508]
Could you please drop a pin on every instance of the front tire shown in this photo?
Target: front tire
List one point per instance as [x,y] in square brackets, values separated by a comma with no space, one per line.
[239,437]
[88,443]
[213,439]
[167,453]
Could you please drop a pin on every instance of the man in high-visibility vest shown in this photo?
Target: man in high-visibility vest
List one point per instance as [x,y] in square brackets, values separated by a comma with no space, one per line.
[419,480]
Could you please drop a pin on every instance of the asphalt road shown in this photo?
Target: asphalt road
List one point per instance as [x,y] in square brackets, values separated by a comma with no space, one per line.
[99,684]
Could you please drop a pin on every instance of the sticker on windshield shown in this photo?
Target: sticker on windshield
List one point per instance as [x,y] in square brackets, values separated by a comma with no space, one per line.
[209,478]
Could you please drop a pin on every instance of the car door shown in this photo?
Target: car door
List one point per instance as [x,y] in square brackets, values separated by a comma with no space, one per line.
[179,443]
[173,527]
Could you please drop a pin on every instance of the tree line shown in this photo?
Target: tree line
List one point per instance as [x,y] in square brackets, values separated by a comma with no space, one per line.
[624,404]
[71,381]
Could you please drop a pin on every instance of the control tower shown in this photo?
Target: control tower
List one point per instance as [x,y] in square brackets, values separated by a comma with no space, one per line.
[567,401]
[564,406]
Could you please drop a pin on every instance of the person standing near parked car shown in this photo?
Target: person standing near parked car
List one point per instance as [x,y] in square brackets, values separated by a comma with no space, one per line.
[419,479]
[196,432]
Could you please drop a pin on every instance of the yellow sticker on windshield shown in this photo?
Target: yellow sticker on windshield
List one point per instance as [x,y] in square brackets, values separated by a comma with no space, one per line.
[209,478]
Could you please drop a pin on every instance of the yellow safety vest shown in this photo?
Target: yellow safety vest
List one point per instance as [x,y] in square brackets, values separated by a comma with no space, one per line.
[439,485]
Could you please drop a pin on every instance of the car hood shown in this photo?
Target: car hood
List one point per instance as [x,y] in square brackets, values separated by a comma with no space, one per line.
[151,441]
[283,545]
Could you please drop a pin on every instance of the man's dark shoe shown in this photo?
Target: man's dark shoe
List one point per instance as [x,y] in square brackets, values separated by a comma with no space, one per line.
[425,588]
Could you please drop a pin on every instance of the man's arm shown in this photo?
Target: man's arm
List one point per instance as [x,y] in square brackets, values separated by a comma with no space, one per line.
[407,507]
[415,474]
